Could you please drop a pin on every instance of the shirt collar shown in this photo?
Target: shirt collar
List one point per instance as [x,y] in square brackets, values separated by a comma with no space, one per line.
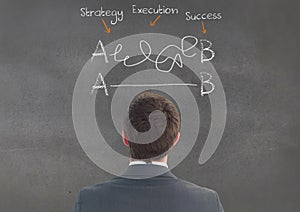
[135,162]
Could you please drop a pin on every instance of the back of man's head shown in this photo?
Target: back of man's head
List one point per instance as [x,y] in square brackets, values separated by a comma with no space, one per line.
[139,111]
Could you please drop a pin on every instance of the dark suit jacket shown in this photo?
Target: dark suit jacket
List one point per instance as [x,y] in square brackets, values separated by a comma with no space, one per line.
[162,193]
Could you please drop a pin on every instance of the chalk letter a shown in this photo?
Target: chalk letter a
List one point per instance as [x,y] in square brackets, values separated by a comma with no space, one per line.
[98,53]
[100,84]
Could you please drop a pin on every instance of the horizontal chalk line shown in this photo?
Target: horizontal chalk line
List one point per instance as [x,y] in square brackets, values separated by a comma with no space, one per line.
[153,85]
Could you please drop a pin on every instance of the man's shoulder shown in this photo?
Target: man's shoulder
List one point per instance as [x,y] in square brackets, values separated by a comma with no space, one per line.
[206,197]
[176,183]
[95,187]
[192,186]
[177,191]
[90,193]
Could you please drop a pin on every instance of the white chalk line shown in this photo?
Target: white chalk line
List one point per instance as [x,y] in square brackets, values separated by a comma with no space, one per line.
[153,85]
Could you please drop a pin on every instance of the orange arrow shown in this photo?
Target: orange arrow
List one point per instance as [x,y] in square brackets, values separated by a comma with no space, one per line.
[203,28]
[107,29]
[152,23]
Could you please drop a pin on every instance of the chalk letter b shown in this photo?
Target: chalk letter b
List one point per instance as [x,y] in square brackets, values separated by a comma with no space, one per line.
[212,53]
[207,81]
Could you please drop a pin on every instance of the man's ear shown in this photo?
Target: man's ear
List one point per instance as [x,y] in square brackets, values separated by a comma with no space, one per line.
[125,141]
[176,139]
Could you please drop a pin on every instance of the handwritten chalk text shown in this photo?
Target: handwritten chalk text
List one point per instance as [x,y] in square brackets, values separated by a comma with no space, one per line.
[160,59]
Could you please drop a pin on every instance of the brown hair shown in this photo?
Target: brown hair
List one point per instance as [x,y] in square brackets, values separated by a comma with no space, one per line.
[139,110]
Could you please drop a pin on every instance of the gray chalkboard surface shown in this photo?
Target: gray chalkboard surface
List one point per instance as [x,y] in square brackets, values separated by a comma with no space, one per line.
[45,44]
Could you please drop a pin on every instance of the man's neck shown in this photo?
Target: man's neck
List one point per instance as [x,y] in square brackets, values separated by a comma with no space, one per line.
[163,160]
[160,162]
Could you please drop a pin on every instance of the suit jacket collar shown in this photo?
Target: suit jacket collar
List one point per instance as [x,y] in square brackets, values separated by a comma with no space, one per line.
[143,171]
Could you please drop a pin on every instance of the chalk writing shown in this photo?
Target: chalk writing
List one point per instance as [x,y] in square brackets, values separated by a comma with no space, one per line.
[100,84]
[146,51]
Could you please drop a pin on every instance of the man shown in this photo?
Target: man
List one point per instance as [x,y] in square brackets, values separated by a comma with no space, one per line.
[148,185]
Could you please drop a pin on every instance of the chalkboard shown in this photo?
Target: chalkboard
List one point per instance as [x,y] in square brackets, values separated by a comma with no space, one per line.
[47,46]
